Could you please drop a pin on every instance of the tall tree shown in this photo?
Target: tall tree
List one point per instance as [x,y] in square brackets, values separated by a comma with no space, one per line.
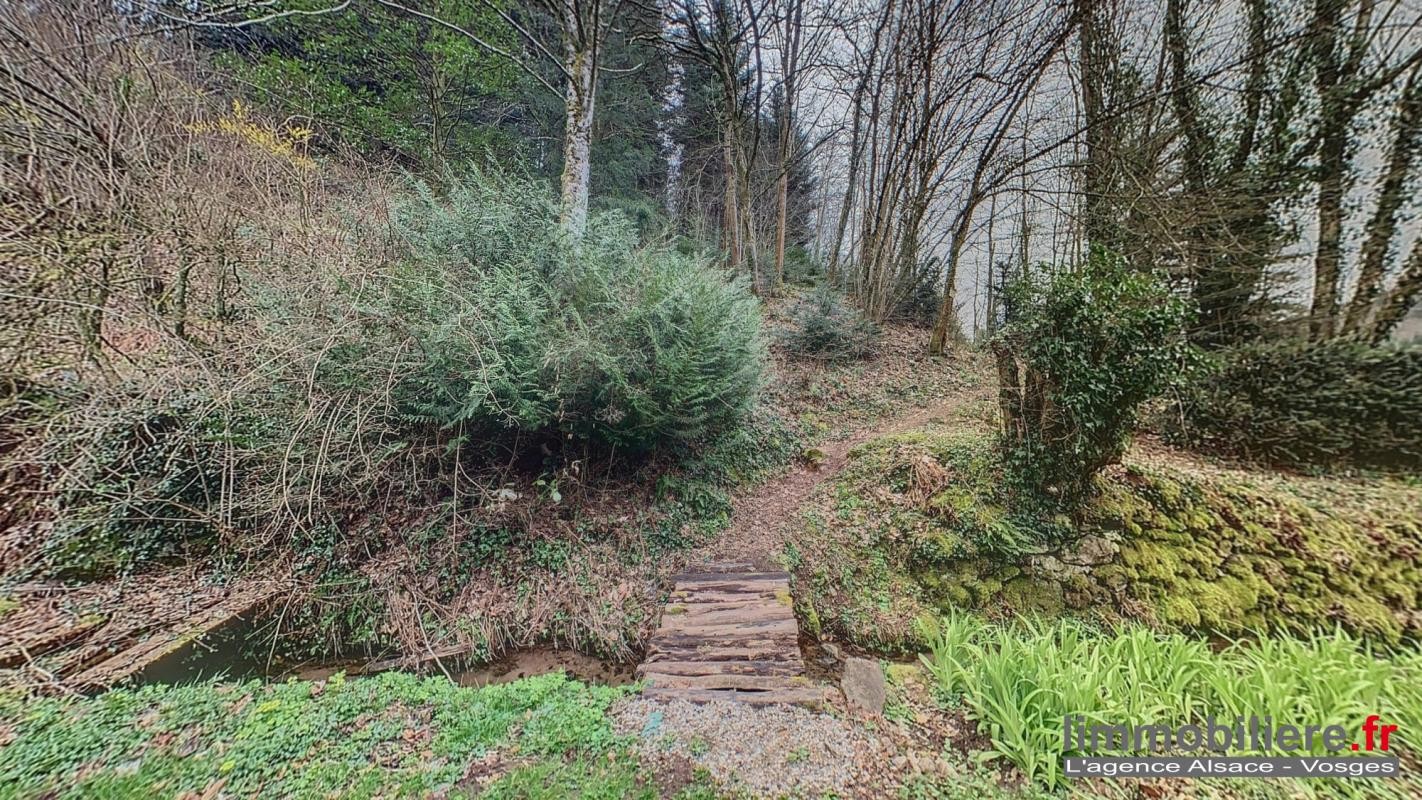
[1352,63]
[725,37]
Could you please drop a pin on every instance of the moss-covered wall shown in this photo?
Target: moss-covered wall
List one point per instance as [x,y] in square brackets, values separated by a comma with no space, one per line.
[1215,555]
[922,520]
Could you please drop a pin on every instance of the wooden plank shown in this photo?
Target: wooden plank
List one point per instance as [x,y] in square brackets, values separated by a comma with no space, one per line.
[757,606]
[763,599]
[728,635]
[744,683]
[728,566]
[809,696]
[754,615]
[737,667]
[732,578]
[729,587]
[723,653]
[731,626]
[679,600]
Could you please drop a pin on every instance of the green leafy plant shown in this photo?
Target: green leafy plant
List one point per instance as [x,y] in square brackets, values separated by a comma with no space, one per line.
[134,477]
[1077,358]
[1019,681]
[390,735]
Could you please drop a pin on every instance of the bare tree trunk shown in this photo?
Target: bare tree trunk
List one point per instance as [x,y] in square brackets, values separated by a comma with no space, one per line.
[1383,225]
[732,213]
[1404,295]
[947,316]
[782,213]
[791,37]
[580,94]
[851,182]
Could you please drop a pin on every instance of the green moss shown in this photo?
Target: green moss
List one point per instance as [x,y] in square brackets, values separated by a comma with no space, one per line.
[1179,611]
[924,519]
[809,618]
[1028,595]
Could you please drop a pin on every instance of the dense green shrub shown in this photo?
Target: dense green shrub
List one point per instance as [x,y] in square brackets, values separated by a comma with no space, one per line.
[375,388]
[824,326]
[1078,356]
[1297,404]
[496,325]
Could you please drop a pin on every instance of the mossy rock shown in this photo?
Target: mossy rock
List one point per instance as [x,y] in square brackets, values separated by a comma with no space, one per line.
[1030,596]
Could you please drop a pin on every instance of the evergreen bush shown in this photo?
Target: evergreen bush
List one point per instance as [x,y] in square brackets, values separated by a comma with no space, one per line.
[1301,404]
[826,327]
[497,325]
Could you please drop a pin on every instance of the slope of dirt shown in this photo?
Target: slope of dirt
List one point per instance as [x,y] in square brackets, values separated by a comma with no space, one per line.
[762,519]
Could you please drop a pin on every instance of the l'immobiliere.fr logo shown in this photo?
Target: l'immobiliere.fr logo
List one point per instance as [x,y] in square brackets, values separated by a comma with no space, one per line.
[1212,748]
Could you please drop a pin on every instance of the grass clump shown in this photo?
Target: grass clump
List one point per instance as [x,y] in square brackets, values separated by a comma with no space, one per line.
[1018,682]
[391,735]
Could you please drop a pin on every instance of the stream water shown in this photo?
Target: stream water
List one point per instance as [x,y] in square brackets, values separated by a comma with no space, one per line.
[228,653]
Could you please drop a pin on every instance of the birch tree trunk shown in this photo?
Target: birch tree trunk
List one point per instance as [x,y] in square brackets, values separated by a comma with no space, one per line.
[580,94]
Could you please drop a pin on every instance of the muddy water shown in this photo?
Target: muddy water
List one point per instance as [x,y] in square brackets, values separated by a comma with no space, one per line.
[221,654]
[542,660]
[227,654]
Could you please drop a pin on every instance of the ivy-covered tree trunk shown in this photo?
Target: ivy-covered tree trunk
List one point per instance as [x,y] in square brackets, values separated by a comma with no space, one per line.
[1076,359]
[1097,68]
[1335,116]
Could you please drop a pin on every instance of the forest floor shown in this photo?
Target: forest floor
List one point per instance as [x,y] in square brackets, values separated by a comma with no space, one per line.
[548,737]
[765,518]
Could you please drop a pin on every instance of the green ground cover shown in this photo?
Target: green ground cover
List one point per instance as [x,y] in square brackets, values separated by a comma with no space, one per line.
[391,735]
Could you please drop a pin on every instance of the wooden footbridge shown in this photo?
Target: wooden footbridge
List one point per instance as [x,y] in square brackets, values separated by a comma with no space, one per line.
[728,633]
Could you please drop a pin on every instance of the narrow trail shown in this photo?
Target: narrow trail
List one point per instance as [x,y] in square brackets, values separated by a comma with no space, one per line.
[729,630]
[762,518]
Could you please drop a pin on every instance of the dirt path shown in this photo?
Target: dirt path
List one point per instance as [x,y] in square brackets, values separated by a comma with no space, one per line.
[762,519]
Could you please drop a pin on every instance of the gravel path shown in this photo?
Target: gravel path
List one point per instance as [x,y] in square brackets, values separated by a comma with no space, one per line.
[769,751]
